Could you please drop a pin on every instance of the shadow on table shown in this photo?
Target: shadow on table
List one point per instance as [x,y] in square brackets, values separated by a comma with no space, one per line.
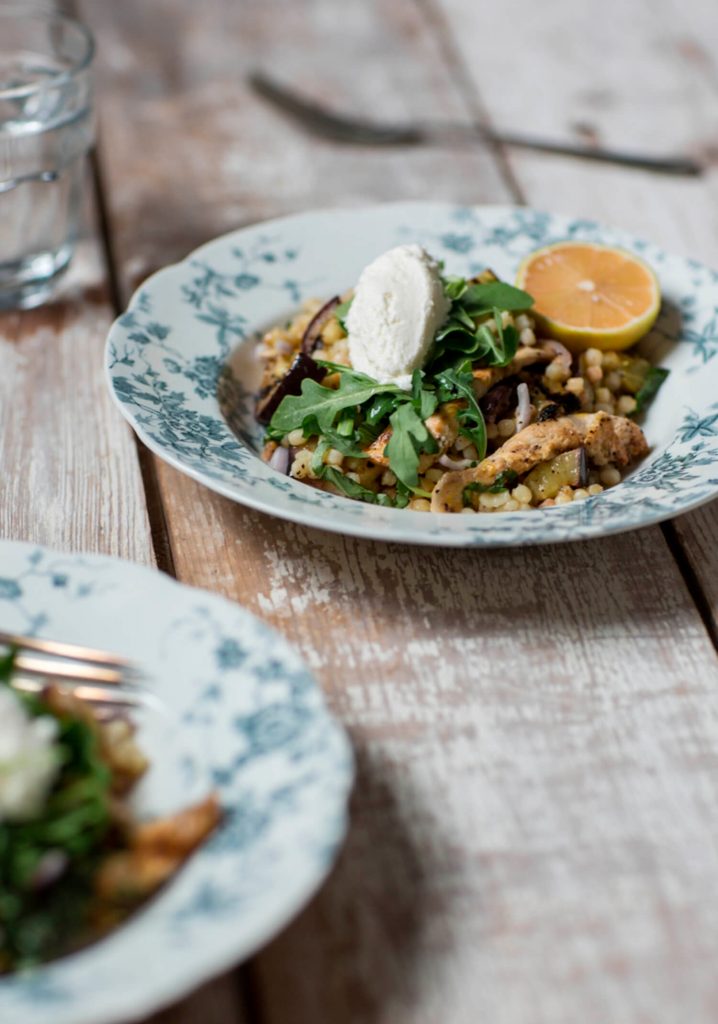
[354,952]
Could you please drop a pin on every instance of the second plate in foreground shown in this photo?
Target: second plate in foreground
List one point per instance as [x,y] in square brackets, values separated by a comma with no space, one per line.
[237,713]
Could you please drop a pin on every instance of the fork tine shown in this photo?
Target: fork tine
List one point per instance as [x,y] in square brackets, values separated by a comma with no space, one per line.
[86,692]
[63,650]
[69,671]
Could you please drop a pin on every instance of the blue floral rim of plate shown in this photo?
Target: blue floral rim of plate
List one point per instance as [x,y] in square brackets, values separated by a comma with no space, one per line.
[243,716]
[181,368]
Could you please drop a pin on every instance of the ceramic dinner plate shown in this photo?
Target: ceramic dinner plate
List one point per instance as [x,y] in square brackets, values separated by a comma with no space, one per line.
[182,368]
[238,713]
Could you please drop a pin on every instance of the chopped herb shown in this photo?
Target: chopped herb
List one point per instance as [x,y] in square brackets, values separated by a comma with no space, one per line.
[351,488]
[503,482]
[655,377]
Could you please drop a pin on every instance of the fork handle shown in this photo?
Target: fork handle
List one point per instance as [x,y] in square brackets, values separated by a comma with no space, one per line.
[432,131]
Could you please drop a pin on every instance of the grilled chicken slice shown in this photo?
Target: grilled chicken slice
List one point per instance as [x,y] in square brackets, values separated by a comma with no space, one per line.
[486,377]
[443,426]
[606,439]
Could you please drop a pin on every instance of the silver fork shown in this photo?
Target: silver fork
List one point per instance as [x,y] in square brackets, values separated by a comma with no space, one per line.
[340,127]
[92,675]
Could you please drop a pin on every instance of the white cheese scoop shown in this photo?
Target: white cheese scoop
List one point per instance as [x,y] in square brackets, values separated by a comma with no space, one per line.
[399,304]
[29,759]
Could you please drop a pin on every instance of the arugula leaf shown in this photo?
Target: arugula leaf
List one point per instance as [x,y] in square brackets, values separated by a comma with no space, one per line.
[454,287]
[465,331]
[505,343]
[423,399]
[478,343]
[409,434]
[478,297]
[459,384]
[323,445]
[322,405]
[380,409]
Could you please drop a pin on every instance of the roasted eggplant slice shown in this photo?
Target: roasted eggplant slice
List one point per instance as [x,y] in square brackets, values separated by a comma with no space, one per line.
[499,401]
[570,469]
[302,368]
[316,324]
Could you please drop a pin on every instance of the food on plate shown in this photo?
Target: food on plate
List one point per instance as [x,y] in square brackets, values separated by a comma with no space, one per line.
[446,394]
[590,295]
[74,861]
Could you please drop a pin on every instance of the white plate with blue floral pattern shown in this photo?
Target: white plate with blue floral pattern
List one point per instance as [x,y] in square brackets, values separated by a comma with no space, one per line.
[243,716]
[181,365]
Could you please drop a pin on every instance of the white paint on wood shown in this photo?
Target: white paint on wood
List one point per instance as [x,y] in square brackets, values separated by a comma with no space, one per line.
[69,475]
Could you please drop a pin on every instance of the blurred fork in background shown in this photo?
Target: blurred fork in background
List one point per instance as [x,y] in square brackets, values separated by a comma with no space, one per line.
[363,132]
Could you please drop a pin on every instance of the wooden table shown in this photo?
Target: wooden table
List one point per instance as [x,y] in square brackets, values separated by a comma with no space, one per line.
[533,836]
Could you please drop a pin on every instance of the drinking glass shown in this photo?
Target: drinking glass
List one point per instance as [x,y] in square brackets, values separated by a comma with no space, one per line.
[46,130]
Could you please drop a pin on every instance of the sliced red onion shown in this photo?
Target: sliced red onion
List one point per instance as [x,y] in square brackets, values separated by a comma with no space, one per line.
[449,463]
[560,351]
[279,460]
[523,409]
[291,384]
[52,865]
[315,325]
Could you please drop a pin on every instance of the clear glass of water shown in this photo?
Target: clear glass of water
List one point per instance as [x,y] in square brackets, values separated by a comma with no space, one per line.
[46,130]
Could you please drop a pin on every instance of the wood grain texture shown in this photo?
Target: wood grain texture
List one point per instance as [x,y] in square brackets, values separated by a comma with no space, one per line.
[218,1002]
[190,152]
[70,477]
[536,730]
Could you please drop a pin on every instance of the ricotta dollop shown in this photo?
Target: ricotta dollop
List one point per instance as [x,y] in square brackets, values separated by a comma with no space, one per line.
[29,760]
[399,305]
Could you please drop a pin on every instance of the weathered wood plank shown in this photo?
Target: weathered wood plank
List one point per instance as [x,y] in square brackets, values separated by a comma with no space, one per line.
[535,729]
[70,477]
[196,153]
[217,1002]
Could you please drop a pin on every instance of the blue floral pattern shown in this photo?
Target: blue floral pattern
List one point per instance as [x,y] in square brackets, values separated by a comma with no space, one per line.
[181,367]
[250,723]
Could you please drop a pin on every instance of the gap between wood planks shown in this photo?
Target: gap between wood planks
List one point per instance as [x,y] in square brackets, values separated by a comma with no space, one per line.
[458,72]
[155,507]
[242,979]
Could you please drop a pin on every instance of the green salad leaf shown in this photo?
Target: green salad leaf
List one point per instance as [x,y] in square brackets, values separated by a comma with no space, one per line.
[318,406]
[655,377]
[409,437]
[466,332]
[494,295]
[458,384]
[36,924]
